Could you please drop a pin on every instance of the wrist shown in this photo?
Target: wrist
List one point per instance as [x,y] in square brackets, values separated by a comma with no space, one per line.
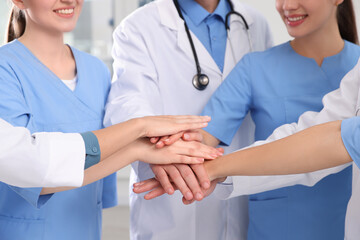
[133,152]
[209,167]
[139,127]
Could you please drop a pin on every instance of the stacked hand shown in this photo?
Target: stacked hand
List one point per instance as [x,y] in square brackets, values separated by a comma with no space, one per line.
[192,180]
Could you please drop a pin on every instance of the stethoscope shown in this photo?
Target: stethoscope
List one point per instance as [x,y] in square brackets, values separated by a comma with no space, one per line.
[201,80]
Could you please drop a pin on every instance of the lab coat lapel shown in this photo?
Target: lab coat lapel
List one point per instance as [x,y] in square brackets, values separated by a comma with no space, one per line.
[170,18]
[239,38]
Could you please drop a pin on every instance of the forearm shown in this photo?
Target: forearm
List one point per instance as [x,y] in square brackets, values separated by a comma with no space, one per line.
[313,149]
[209,139]
[113,138]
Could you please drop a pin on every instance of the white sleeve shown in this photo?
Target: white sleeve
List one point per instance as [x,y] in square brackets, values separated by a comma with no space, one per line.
[338,105]
[135,90]
[41,159]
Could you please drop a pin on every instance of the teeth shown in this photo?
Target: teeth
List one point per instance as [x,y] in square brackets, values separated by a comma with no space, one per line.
[296,18]
[65,11]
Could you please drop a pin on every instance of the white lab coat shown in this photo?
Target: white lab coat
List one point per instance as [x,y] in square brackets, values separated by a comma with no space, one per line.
[153,72]
[41,159]
[338,105]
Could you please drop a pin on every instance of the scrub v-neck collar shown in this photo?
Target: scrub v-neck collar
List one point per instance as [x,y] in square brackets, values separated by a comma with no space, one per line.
[56,79]
[326,59]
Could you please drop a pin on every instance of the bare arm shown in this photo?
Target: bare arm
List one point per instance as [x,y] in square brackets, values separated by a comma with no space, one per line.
[143,150]
[113,138]
[316,148]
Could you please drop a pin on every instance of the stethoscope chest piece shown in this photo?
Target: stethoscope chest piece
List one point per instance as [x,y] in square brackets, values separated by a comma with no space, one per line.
[200,81]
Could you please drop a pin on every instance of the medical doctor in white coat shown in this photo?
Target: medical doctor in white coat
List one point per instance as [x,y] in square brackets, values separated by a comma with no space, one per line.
[153,71]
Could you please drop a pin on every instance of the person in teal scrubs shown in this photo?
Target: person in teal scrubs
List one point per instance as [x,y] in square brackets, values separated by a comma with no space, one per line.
[276,87]
[38,74]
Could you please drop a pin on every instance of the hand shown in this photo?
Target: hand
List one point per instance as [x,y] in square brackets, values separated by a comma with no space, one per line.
[191,135]
[179,152]
[205,192]
[156,190]
[183,177]
[155,126]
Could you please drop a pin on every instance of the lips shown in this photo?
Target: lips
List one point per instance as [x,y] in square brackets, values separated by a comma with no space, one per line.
[295,20]
[65,12]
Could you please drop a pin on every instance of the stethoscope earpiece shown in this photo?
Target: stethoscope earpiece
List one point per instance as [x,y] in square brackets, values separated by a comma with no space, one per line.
[200,81]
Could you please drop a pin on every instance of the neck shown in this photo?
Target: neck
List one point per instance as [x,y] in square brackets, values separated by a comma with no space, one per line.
[46,45]
[209,5]
[321,44]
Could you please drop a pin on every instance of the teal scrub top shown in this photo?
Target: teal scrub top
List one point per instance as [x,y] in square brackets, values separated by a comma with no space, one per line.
[32,96]
[350,134]
[276,87]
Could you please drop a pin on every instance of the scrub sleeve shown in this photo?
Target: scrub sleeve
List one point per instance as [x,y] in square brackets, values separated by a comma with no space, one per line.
[350,134]
[92,149]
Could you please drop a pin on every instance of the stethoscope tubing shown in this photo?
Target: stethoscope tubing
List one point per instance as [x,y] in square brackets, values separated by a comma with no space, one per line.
[196,83]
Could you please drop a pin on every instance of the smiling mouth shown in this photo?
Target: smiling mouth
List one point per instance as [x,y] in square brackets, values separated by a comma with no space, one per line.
[65,11]
[295,19]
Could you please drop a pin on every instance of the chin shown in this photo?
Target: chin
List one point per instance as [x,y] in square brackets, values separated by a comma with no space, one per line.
[66,29]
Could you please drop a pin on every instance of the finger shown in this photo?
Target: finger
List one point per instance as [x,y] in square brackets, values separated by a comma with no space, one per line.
[146,185]
[154,193]
[161,142]
[221,151]
[201,175]
[173,138]
[179,182]
[163,178]
[187,160]
[196,149]
[188,118]
[154,139]
[190,180]
[193,136]
[191,126]
[187,202]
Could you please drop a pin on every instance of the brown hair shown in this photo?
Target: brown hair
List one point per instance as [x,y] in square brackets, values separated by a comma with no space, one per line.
[16,26]
[346,21]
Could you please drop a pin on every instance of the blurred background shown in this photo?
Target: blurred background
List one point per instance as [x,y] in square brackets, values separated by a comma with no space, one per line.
[93,34]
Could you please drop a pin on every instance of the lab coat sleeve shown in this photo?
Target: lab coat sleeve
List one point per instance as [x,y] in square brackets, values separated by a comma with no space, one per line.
[14,109]
[134,91]
[338,105]
[41,159]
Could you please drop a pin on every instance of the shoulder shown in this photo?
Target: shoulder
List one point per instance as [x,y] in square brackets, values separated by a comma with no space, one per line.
[141,18]
[353,48]
[269,55]
[12,60]
[9,51]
